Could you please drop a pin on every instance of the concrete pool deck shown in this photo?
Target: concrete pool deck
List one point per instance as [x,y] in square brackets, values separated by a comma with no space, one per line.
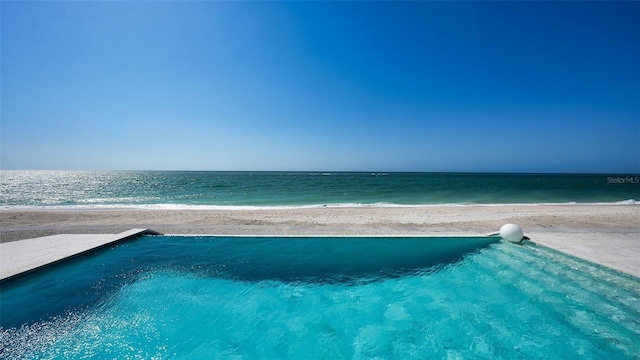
[618,251]
[21,257]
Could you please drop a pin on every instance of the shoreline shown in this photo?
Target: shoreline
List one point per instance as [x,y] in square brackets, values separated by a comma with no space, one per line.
[18,224]
[170,206]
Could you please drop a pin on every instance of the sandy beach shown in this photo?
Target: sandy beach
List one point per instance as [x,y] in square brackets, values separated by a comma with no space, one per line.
[430,220]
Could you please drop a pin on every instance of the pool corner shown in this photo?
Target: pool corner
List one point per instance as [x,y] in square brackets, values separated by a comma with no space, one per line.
[18,258]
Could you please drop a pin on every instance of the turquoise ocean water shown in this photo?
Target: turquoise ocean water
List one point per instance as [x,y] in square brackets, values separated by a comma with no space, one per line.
[276,189]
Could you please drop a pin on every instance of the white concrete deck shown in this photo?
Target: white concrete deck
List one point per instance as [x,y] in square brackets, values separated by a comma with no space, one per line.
[618,251]
[18,257]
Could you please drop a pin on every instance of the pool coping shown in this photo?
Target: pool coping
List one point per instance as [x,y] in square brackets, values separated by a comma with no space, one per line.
[19,258]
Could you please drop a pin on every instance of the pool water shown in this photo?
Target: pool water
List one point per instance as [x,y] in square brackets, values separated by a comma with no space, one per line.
[161,297]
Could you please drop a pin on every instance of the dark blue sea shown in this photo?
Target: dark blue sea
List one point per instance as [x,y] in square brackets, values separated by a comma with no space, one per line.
[206,189]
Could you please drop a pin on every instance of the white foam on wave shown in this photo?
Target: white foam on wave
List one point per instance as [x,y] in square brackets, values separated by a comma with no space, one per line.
[310,206]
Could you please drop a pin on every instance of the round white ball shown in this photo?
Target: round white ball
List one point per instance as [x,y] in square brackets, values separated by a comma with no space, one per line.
[511,232]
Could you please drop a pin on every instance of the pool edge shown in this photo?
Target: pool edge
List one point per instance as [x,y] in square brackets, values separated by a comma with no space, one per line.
[615,251]
[19,258]
[22,257]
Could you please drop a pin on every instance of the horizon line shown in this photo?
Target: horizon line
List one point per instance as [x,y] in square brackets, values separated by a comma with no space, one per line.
[339,171]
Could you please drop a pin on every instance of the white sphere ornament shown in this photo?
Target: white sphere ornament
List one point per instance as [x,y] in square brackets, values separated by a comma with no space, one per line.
[511,233]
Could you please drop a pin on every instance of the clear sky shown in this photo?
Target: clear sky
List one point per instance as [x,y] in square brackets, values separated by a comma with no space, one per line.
[354,86]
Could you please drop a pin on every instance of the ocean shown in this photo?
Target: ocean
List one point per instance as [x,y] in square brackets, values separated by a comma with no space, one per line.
[213,189]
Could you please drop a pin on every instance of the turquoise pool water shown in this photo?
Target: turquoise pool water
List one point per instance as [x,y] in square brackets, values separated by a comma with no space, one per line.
[164,297]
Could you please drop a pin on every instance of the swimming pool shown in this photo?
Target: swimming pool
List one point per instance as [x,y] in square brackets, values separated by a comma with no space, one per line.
[246,297]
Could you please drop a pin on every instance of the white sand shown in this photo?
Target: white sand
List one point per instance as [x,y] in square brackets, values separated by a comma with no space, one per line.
[431,220]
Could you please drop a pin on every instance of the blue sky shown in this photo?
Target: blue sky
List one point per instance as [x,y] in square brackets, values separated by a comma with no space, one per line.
[353,86]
